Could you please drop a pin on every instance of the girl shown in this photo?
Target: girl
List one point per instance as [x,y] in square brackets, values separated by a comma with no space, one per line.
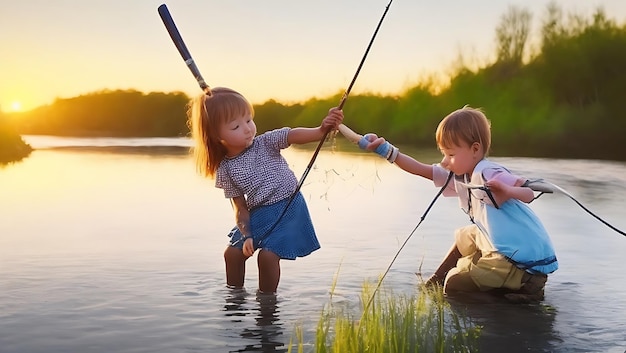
[257,180]
[506,246]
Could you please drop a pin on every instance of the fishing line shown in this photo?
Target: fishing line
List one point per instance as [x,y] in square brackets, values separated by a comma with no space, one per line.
[543,187]
[380,281]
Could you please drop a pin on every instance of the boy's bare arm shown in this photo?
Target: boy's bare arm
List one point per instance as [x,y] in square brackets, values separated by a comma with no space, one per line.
[502,192]
[414,166]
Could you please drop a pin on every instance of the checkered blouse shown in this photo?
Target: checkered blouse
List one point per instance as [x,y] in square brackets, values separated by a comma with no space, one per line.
[260,173]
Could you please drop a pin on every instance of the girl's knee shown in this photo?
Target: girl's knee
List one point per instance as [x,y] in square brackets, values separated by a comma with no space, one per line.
[234,254]
[268,261]
[267,256]
[269,271]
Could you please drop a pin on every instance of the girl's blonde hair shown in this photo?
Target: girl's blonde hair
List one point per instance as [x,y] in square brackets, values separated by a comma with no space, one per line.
[206,113]
[467,125]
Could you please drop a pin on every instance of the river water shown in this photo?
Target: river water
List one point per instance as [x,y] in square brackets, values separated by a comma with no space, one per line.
[115,245]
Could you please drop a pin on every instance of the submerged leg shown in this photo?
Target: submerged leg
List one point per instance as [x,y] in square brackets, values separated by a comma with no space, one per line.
[235,266]
[269,271]
[532,289]
[446,265]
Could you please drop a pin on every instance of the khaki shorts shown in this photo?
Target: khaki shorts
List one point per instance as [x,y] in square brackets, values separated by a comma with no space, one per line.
[480,268]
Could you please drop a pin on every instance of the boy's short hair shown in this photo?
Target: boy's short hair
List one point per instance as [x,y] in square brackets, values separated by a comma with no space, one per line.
[466,125]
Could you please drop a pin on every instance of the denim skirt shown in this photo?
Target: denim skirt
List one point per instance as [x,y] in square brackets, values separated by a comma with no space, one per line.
[293,236]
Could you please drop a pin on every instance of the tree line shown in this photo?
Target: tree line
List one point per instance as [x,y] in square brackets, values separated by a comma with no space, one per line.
[560,98]
[12,146]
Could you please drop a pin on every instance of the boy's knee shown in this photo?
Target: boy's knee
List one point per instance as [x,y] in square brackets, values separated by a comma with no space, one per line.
[465,239]
[458,280]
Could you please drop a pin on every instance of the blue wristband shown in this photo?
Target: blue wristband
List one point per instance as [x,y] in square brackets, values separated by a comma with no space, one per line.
[383,150]
[363,142]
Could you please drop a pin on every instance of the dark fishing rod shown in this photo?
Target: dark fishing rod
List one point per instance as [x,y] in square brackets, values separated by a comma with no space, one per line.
[321,143]
[544,187]
[345,95]
[422,218]
[169,24]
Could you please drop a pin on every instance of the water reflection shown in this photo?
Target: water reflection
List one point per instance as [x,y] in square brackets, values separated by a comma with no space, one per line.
[519,328]
[94,211]
[235,300]
[138,150]
[266,334]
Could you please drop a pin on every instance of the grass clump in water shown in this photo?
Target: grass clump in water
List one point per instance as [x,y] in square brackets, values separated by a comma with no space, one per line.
[392,323]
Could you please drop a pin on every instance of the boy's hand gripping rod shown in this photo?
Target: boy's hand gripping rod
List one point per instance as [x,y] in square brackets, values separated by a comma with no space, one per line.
[385,150]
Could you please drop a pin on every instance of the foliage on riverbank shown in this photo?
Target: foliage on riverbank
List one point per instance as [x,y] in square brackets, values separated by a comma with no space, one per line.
[12,146]
[561,99]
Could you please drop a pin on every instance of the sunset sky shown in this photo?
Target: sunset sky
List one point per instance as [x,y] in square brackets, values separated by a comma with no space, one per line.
[286,50]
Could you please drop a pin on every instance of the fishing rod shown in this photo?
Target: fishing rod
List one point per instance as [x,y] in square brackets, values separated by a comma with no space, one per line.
[168,21]
[323,139]
[545,187]
[390,153]
[393,260]
[345,94]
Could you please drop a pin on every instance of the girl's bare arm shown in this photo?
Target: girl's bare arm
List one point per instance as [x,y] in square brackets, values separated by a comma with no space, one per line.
[300,135]
[242,215]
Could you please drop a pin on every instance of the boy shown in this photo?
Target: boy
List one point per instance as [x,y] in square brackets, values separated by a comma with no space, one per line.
[506,246]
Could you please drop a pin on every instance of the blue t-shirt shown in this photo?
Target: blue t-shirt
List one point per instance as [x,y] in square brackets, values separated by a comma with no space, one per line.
[512,228]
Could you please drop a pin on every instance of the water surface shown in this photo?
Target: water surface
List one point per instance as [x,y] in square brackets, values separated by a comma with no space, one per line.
[115,245]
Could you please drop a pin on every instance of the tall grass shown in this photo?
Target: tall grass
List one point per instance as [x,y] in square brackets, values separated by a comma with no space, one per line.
[423,322]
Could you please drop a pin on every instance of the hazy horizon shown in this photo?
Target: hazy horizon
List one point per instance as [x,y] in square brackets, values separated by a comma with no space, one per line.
[280,50]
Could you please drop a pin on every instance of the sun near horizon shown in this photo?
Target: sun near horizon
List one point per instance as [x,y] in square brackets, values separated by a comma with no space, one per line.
[16,106]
